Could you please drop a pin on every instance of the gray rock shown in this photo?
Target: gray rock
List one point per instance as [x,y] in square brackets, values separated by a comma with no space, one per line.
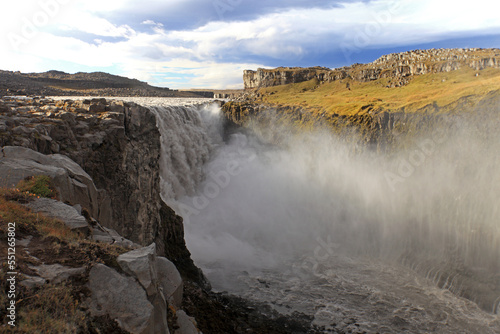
[16,169]
[141,264]
[56,273]
[72,182]
[32,282]
[22,131]
[170,281]
[55,209]
[187,324]
[160,313]
[78,208]
[24,242]
[110,236]
[97,107]
[68,117]
[95,138]
[122,298]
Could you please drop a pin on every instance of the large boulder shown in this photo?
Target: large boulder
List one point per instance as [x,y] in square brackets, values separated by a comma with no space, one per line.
[122,298]
[72,182]
[141,264]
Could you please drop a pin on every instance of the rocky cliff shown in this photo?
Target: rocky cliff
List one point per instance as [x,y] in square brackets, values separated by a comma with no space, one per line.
[101,245]
[126,284]
[398,67]
[378,130]
[118,144]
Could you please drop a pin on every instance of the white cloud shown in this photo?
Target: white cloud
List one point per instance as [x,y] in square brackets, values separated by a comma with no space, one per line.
[206,54]
[204,74]
[152,23]
[88,23]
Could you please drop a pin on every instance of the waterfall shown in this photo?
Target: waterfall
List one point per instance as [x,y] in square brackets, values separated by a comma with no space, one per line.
[188,135]
[317,227]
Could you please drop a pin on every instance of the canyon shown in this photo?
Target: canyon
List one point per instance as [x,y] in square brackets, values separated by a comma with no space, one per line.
[213,214]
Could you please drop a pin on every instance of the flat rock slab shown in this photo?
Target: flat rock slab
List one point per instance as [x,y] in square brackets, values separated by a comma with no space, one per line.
[14,170]
[32,282]
[58,210]
[110,236]
[56,273]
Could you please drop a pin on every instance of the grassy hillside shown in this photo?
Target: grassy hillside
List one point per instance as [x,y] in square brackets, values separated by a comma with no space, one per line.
[349,97]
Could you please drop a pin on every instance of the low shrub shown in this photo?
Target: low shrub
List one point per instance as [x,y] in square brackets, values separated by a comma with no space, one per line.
[39,185]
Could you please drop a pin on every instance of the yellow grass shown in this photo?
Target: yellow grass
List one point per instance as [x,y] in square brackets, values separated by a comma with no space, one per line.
[26,220]
[440,88]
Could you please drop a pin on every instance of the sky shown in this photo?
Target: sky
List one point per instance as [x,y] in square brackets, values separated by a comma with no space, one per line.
[208,43]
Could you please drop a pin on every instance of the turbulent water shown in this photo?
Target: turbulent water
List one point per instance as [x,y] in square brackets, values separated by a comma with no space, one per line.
[362,242]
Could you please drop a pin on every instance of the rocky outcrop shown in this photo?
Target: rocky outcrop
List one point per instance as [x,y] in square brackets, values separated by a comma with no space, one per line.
[380,130]
[137,299]
[72,183]
[398,67]
[282,76]
[118,145]
[148,289]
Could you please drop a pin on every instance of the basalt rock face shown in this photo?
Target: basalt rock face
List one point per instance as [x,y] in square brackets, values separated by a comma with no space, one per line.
[398,67]
[118,145]
[282,76]
[380,130]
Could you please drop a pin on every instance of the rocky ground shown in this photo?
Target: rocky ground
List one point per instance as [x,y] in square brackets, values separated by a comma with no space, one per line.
[98,251]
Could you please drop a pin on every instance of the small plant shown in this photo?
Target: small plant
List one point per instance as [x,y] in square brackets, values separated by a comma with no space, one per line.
[39,185]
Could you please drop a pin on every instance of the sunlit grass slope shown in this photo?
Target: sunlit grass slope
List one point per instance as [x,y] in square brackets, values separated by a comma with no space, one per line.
[349,97]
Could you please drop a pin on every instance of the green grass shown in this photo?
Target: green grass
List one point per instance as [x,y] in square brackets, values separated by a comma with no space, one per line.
[335,98]
[39,185]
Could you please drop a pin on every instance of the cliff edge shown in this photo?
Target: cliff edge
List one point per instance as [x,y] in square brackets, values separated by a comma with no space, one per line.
[398,67]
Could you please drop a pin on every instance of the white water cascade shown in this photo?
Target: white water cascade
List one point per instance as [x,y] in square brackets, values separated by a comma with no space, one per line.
[360,242]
